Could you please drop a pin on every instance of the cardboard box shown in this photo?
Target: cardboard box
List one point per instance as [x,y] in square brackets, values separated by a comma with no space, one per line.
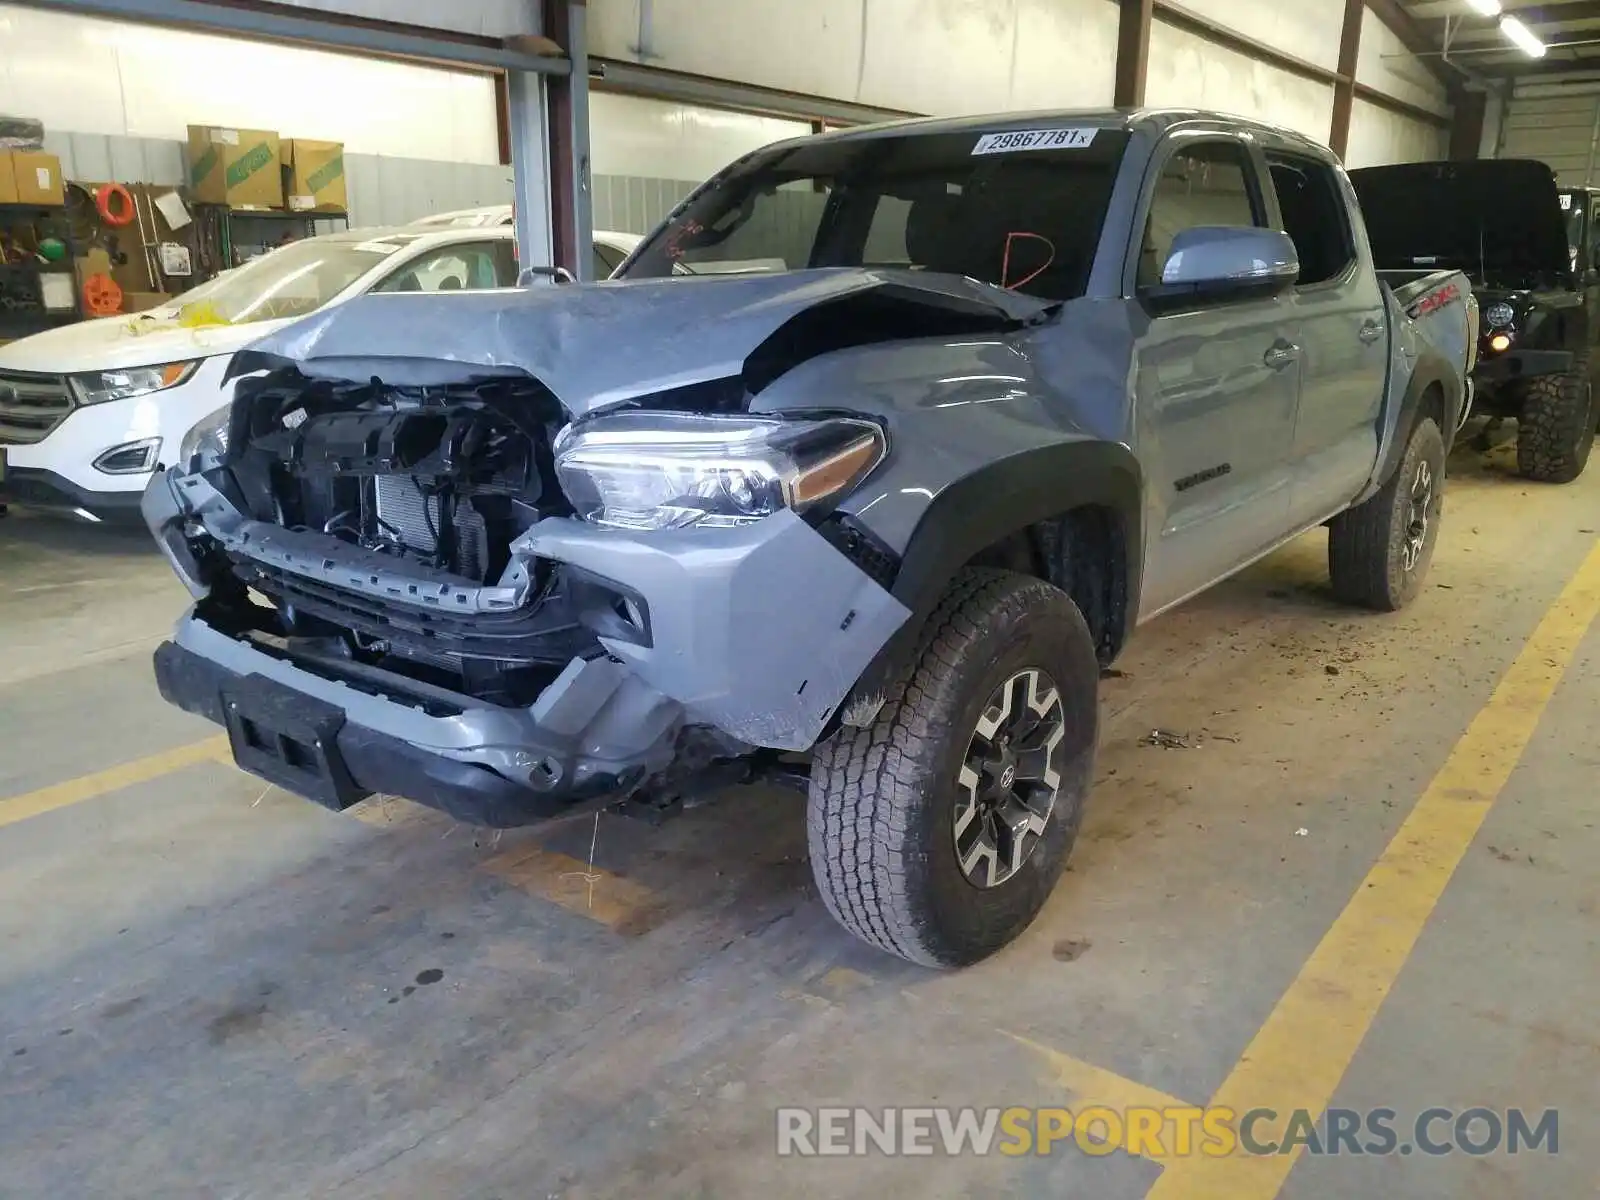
[31,177]
[313,175]
[133,302]
[236,167]
[38,177]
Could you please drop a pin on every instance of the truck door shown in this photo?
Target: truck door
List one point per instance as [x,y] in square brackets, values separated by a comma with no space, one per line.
[1215,385]
[1343,336]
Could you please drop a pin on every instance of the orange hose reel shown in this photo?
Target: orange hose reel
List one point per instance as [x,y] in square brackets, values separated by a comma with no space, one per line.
[115,205]
[101,296]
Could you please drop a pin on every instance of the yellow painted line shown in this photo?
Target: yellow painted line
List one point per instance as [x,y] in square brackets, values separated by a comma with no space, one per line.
[1300,1055]
[618,903]
[1088,1086]
[87,787]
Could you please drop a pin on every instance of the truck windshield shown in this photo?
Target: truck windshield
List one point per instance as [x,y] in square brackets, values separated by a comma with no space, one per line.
[999,208]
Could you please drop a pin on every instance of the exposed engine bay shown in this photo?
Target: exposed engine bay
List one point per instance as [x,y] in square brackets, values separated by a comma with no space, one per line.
[432,486]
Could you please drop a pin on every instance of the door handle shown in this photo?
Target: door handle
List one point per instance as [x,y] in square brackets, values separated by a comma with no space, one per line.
[1371,332]
[1281,354]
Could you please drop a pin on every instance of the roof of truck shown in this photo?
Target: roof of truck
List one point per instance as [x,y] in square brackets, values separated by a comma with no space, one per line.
[1155,120]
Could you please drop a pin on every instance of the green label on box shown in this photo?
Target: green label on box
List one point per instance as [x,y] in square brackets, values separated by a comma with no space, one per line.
[203,166]
[326,173]
[247,165]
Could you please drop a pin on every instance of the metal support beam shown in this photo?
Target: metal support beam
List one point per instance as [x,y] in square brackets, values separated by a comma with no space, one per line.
[1466,130]
[1344,91]
[530,168]
[1415,39]
[571,200]
[1133,51]
[282,23]
[631,79]
[1203,27]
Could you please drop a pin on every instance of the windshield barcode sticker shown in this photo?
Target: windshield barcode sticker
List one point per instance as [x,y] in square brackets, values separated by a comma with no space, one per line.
[1035,139]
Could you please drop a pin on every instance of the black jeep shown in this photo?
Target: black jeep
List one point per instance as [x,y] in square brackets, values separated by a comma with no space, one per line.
[1535,265]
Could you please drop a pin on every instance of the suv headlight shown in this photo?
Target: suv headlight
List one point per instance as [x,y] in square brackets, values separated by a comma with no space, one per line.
[209,438]
[660,470]
[98,387]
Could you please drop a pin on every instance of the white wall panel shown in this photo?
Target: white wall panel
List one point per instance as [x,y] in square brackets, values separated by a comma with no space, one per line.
[1307,29]
[1065,55]
[630,135]
[1387,66]
[1379,136]
[488,18]
[84,75]
[933,56]
[1187,71]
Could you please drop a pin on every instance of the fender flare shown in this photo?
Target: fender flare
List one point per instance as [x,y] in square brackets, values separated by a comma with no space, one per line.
[1433,369]
[999,499]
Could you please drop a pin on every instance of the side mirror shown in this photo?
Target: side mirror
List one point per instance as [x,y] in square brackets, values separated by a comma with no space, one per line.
[1219,262]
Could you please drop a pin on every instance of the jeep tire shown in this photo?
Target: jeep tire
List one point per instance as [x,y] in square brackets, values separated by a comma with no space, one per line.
[938,833]
[1555,431]
[1379,551]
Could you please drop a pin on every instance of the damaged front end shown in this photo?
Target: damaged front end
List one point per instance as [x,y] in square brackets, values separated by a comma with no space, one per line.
[439,584]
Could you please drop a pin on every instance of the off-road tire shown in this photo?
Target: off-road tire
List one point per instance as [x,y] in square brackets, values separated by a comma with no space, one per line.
[882,806]
[1367,545]
[1555,431]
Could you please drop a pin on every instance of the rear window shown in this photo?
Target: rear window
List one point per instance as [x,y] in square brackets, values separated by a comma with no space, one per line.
[1019,211]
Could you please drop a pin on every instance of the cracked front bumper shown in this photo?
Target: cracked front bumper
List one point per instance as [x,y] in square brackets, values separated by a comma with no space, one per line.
[758,632]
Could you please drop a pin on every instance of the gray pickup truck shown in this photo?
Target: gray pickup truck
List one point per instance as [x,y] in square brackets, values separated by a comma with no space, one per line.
[877,452]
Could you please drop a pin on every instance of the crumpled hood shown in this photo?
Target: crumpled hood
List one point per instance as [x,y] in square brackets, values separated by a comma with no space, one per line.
[596,345]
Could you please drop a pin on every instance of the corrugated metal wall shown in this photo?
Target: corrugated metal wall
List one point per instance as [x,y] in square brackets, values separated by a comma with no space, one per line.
[1559,128]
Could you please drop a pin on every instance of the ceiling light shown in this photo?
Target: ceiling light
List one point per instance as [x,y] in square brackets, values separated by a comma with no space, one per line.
[1522,37]
[1487,8]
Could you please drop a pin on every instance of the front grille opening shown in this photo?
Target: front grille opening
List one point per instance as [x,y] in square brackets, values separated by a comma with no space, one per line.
[31,406]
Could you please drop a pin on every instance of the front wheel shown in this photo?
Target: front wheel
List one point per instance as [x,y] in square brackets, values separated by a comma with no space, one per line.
[1379,551]
[938,833]
[1555,431]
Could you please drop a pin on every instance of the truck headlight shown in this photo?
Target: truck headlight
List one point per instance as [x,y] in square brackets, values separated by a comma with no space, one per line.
[209,438]
[660,470]
[98,387]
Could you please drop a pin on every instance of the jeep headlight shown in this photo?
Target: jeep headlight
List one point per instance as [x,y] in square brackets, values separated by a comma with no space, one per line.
[1499,316]
[209,439]
[99,387]
[660,470]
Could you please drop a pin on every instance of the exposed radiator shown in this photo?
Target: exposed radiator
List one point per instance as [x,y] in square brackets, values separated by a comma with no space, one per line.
[410,516]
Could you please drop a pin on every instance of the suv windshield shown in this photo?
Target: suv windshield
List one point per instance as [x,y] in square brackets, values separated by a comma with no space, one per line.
[995,207]
[292,281]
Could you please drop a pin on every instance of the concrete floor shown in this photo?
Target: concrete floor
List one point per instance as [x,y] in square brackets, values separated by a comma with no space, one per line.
[208,989]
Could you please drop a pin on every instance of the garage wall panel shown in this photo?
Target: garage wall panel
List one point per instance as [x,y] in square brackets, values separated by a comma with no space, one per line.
[630,135]
[1379,136]
[1386,65]
[936,56]
[1306,29]
[1561,128]
[1189,71]
[486,18]
[86,75]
